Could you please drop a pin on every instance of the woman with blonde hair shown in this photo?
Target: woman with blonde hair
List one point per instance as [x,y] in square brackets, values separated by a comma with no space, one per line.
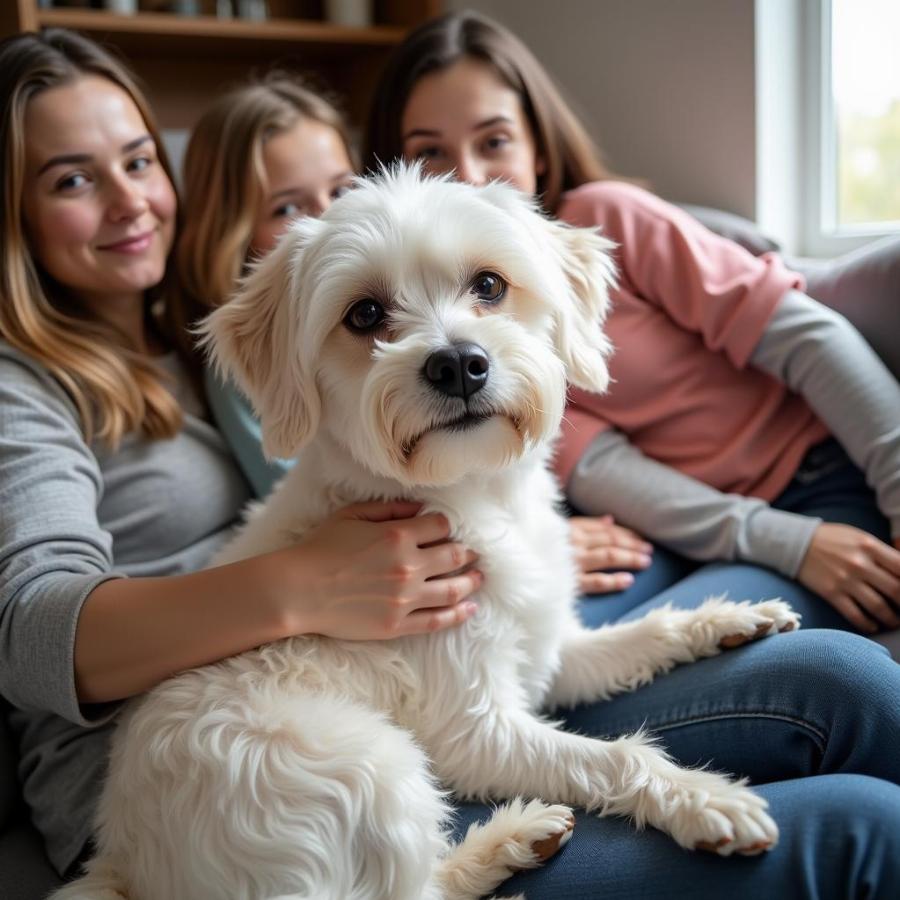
[114,486]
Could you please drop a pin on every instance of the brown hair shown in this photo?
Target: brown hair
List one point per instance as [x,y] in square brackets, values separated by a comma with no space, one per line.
[115,388]
[570,155]
[224,179]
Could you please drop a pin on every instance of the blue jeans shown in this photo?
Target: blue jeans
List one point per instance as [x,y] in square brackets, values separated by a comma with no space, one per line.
[812,719]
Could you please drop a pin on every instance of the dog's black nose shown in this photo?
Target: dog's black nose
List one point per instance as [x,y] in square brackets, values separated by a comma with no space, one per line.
[458,371]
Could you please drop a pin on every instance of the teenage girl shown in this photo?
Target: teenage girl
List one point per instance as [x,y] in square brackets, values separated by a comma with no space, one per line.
[717,438]
[747,423]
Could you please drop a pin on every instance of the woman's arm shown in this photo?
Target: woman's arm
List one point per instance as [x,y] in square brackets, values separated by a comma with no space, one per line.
[74,631]
[682,513]
[371,571]
[849,568]
[602,545]
[53,552]
[817,353]
[863,286]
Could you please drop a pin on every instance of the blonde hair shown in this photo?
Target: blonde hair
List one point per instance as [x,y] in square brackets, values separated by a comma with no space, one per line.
[115,388]
[224,179]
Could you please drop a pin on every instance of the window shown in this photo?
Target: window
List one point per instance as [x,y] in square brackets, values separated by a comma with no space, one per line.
[853,126]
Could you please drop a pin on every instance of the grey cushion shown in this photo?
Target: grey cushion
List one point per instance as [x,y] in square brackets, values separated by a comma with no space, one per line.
[738,229]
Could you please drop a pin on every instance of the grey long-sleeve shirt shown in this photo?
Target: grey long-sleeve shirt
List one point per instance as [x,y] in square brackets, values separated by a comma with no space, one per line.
[818,354]
[71,517]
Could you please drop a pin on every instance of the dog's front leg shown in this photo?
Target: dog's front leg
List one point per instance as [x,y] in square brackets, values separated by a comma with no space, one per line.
[596,664]
[509,753]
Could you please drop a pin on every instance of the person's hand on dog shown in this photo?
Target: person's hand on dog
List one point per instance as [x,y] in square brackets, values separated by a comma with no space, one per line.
[600,544]
[375,571]
[856,573]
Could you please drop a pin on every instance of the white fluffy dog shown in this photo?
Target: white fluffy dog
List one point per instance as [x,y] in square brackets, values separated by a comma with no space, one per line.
[415,342]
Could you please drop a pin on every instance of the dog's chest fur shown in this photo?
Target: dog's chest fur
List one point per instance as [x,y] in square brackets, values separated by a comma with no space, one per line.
[526,603]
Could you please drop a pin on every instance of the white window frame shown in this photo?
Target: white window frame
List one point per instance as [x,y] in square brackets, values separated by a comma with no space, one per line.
[820,234]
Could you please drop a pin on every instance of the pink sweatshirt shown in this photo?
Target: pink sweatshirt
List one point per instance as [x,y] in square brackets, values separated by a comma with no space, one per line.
[688,312]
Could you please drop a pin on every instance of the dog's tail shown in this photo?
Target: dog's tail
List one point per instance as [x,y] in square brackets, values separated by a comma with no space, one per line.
[100,882]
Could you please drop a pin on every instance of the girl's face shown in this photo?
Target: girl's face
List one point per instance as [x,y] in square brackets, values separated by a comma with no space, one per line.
[307,168]
[467,119]
[98,207]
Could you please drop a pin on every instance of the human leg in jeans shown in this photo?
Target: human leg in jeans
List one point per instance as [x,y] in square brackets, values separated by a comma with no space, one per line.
[811,718]
[840,838]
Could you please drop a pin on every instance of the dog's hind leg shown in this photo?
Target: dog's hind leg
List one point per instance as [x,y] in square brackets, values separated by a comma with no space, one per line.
[268,794]
[596,664]
[518,836]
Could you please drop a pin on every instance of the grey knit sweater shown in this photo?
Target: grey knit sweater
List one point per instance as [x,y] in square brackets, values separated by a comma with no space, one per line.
[71,517]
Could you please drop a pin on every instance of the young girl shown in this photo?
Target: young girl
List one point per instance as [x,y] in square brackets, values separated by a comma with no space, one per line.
[260,156]
[707,442]
[737,402]
[114,486]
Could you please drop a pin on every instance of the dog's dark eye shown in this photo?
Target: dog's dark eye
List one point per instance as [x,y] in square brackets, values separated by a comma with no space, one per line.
[364,315]
[488,287]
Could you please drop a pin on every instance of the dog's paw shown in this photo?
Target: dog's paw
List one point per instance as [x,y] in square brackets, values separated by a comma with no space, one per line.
[719,624]
[557,822]
[772,617]
[541,829]
[715,814]
[518,836]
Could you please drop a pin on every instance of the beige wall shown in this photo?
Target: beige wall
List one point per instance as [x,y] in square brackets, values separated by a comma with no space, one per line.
[665,86]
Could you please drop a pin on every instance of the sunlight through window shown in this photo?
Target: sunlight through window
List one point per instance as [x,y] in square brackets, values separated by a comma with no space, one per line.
[866,95]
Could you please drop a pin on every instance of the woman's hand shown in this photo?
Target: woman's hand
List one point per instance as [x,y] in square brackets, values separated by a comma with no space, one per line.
[856,573]
[376,571]
[601,544]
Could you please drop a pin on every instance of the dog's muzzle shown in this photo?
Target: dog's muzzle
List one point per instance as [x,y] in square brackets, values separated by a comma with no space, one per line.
[459,370]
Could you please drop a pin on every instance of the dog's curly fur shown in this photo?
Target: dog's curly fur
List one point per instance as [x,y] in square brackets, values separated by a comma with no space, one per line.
[315,768]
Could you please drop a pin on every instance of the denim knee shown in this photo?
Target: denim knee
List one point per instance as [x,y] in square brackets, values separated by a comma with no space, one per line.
[839,661]
[843,839]
[845,687]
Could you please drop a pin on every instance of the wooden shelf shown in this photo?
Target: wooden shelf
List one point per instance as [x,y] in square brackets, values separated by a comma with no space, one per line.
[185,61]
[154,33]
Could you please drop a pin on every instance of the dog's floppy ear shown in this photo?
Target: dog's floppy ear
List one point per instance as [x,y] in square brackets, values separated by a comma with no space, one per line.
[255,338]
[590,272]
[578,312]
